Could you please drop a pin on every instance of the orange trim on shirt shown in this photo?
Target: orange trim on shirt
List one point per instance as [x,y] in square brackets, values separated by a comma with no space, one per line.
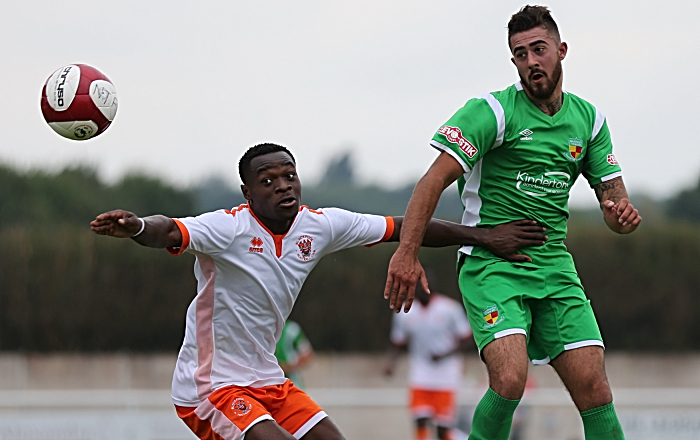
[234,211]
[185,239]
[310,210]
[276,238]
[389,229]
[387,234]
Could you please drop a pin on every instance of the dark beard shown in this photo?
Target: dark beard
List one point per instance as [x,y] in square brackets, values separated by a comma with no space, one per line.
[544,91]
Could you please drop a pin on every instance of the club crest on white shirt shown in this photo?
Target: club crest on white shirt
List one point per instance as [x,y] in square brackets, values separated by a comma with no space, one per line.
[306,251]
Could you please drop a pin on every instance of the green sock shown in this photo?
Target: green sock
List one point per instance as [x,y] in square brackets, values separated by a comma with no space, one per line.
[602,424]
[493,417]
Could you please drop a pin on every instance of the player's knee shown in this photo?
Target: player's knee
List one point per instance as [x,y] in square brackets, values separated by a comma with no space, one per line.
[599,390]
[509,384]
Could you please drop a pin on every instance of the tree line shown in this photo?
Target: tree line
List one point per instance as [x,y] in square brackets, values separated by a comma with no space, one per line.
[63,288]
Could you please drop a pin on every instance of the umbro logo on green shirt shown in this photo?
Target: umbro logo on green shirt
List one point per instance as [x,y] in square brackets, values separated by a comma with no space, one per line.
[526,135]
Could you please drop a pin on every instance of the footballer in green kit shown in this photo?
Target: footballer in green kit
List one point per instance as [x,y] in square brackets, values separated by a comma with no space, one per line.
[516,154]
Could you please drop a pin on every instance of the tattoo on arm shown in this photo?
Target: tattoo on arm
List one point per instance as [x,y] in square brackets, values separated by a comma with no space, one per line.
[613,189]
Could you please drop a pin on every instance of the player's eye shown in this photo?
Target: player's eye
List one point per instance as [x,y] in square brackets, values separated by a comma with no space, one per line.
[266,181]
[291,175]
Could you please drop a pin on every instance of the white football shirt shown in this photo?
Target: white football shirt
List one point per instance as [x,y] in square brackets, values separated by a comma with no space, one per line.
[247,281]
[433,329]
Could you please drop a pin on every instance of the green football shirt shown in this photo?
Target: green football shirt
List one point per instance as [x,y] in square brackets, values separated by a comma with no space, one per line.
[292,345]
[520,163]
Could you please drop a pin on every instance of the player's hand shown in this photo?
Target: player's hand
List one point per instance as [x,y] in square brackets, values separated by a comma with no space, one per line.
[404,272]
[622,217]
[121,224]
[505,240]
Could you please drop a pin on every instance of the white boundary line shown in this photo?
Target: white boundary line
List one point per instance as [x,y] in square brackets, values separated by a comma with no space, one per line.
[332,397]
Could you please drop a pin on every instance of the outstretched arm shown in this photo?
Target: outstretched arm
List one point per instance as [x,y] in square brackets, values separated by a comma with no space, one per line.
[404,268]
[618,212]
[159,231]
[503,240]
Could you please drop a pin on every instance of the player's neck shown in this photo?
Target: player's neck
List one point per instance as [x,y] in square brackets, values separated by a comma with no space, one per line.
[277,227]
[551,105]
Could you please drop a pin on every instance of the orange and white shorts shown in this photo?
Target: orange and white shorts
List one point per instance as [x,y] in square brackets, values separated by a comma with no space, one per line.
[436,405]
[230,411]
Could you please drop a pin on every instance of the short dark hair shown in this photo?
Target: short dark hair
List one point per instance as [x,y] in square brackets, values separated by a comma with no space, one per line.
[259,150]
[531,17]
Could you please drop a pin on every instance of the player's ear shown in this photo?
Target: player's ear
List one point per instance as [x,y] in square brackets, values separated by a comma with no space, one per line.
[246,191]
[563,49]
[512,60]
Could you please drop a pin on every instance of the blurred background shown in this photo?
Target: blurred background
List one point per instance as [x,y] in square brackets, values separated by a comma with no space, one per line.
[90,326]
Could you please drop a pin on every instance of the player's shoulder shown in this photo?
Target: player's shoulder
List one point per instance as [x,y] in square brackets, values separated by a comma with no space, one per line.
[510,93]
[495,98]
[244,208]
[582,107]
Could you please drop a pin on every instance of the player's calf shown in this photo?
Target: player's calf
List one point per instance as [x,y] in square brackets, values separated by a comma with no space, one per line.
[583,372]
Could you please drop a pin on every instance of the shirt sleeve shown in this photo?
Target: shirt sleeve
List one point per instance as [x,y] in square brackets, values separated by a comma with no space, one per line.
[398,330]
[600,164]
[209,233]
[469,134]
[350,229]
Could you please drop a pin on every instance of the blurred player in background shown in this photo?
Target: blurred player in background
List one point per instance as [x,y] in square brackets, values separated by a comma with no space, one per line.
[250,265]
[293,352]
[435,331]
[517,153]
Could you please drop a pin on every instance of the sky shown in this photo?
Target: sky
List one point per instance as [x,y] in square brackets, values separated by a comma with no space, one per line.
[200,82]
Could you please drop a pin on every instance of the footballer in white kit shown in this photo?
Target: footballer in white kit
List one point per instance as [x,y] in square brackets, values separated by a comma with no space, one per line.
[435,332]
[251,263]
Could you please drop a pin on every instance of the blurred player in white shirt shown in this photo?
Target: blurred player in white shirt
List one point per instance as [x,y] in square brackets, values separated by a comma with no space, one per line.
[435,332]
[250,265]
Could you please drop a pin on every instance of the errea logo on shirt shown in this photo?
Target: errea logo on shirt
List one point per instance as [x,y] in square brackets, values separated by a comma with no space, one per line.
[256,245]
[454,135]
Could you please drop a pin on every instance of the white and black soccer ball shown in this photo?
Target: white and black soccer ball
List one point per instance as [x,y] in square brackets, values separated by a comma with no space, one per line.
[79,102]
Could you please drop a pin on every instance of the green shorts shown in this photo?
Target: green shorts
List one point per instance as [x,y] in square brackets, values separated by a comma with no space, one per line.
[546,304]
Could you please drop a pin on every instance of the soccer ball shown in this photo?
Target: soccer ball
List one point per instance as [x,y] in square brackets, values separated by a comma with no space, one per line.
[79,102]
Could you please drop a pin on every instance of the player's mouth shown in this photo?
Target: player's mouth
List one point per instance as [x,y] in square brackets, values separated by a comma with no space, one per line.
[537,77]
[287,202]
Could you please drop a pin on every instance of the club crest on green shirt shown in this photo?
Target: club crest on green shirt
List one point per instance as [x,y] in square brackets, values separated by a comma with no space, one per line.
[575,152]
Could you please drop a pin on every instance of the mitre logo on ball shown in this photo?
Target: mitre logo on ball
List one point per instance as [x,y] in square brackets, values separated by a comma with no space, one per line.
[79,102]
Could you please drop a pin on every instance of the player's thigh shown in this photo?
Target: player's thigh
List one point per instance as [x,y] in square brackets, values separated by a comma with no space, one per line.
[494,295]
[267,430]
[562,319]
[324,430]
[507,363]
[583,373]
[296,412]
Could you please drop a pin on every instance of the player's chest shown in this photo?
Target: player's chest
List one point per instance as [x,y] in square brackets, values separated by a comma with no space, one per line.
[426,323]
[294,254]
[560,145]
